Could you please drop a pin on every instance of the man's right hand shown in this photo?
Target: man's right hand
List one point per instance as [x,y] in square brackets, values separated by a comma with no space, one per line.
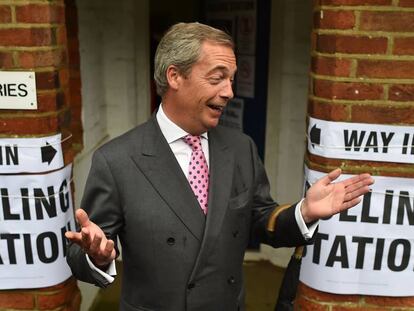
[92,240]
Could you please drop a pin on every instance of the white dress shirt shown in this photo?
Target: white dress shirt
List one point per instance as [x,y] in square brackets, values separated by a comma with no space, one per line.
[174,136]
[182,151]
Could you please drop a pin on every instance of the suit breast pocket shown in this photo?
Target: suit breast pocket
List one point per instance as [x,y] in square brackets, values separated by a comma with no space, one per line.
[240,201]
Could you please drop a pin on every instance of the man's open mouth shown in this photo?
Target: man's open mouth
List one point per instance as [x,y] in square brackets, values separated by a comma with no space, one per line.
[216,107]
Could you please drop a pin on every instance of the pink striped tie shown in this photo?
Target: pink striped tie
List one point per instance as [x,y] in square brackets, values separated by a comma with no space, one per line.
[198,171]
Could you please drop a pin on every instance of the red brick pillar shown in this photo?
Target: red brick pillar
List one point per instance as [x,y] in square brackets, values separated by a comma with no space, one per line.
[33,37]
[362,71]
[75,101]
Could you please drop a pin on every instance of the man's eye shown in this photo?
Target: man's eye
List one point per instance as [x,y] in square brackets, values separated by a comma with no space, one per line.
[216,80]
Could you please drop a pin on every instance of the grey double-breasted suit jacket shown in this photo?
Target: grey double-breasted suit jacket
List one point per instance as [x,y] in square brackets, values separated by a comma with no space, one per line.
[174,257]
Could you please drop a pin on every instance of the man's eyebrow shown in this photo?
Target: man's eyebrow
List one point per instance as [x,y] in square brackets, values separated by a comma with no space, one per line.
[220,68]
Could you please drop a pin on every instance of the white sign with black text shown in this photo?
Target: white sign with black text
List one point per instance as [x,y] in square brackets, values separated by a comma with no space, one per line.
[18,90]
[361,141]
[368,249]
[30,155]
[36,211]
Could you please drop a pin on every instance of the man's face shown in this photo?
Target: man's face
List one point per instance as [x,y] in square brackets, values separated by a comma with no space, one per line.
[205,91]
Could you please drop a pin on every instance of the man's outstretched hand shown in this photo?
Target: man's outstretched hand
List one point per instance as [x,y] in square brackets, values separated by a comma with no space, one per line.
[92,240]
[326,198]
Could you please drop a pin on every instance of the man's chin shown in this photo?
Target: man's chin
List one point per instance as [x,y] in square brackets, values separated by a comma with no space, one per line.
[213,123]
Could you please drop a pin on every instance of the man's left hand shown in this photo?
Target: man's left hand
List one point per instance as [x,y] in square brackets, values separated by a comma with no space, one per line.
[326,198]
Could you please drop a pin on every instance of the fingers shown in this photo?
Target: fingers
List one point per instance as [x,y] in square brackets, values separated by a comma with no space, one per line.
[356,187]
[331,176]
[355,194]
[98,247]
[95,244]
[86,239]
[73,236]
[102,250]
[366,179]
[101,246]
[350,203]
[82,218]
[359,184]
[92,240]
[109,249]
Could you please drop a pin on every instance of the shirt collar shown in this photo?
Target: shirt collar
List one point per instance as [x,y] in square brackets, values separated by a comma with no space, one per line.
[169,129]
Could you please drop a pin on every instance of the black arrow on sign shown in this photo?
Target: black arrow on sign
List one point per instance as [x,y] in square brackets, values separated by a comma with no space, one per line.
[48,153]
[315,136]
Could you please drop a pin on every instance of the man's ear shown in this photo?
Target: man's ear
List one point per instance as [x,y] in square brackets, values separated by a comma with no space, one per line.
[173,77]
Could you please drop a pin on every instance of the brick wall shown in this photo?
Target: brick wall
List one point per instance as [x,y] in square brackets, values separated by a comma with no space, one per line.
[34,37]
[65,297]
[362,71]
[75,102]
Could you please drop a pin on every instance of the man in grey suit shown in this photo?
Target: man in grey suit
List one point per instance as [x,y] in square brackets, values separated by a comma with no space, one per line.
[183,246]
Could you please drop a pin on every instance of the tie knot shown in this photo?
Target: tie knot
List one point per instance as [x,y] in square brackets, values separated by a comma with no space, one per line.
[193,141]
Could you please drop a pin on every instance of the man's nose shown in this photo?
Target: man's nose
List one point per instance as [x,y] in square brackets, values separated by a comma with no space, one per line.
[227,90]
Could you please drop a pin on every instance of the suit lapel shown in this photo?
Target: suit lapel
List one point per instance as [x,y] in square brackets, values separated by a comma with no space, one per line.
[159,165]
[221,176]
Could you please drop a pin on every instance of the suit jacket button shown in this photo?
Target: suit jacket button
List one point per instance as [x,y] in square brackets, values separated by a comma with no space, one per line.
[235,233]
[170,241]
[231,280]
[190,285]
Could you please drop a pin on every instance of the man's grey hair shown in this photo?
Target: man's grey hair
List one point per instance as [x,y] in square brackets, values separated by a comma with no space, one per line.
[181,47]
